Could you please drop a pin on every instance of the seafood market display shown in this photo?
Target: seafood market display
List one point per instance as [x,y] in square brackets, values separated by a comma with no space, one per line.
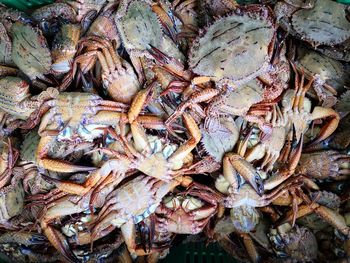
[130,127]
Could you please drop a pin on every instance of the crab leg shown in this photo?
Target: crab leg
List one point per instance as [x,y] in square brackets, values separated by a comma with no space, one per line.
[55,165]
[250,247]
[173,66]
[189,145]
[62,208]
[329,215]
[328,128]
[139,102]
[197,97]
[284,174]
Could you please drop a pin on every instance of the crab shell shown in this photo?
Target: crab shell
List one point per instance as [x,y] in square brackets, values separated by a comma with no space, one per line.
[244,218]
[314,63]
[137,35]
[5,46]
[323,24]
[298,243]
[11,199]
[30,51]
[64,47]
[225,51]
[13,91]
[221,140]
[50,16]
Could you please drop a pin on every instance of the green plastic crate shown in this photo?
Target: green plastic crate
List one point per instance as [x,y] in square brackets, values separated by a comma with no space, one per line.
[197,253]
[24,5]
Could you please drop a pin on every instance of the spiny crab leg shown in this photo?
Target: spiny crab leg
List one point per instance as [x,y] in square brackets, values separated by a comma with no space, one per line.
[170,64]
[62,208]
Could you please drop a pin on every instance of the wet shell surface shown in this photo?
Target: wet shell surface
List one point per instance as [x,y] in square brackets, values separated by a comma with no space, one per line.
[30,51]
[235,47]
[326,23]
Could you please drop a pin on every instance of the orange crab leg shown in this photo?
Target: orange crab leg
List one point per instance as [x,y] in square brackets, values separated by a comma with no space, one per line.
[197,97]
[55,165]
[189,145]
[283,175]
[139,102]
[328,128]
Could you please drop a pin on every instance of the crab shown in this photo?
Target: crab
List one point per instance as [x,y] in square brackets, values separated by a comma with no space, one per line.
[221,139]
[8,16]
[306,24]
[118,76]
[294,117]
[249,100]
[298,243]
[30,51]
[241,221]
[64,47]
[158,161]
[134,35]
[323,69]
[331,216]
[50,17]
[104,25]
[324,164]
[324,198]
[76,117]
[247,32]
[16,100]
[11,198]
[187,214]
[117,212]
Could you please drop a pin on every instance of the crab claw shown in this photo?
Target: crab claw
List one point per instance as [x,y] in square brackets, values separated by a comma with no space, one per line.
[233,163]
[329,127]
[59,242]
[170,64]
[332,217]
[284,174]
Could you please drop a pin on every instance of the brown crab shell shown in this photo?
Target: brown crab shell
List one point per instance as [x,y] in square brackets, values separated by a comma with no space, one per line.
[226,50]
[64,47]
[325,24]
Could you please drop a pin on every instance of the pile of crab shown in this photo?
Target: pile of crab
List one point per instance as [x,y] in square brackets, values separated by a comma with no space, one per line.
[131,127]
